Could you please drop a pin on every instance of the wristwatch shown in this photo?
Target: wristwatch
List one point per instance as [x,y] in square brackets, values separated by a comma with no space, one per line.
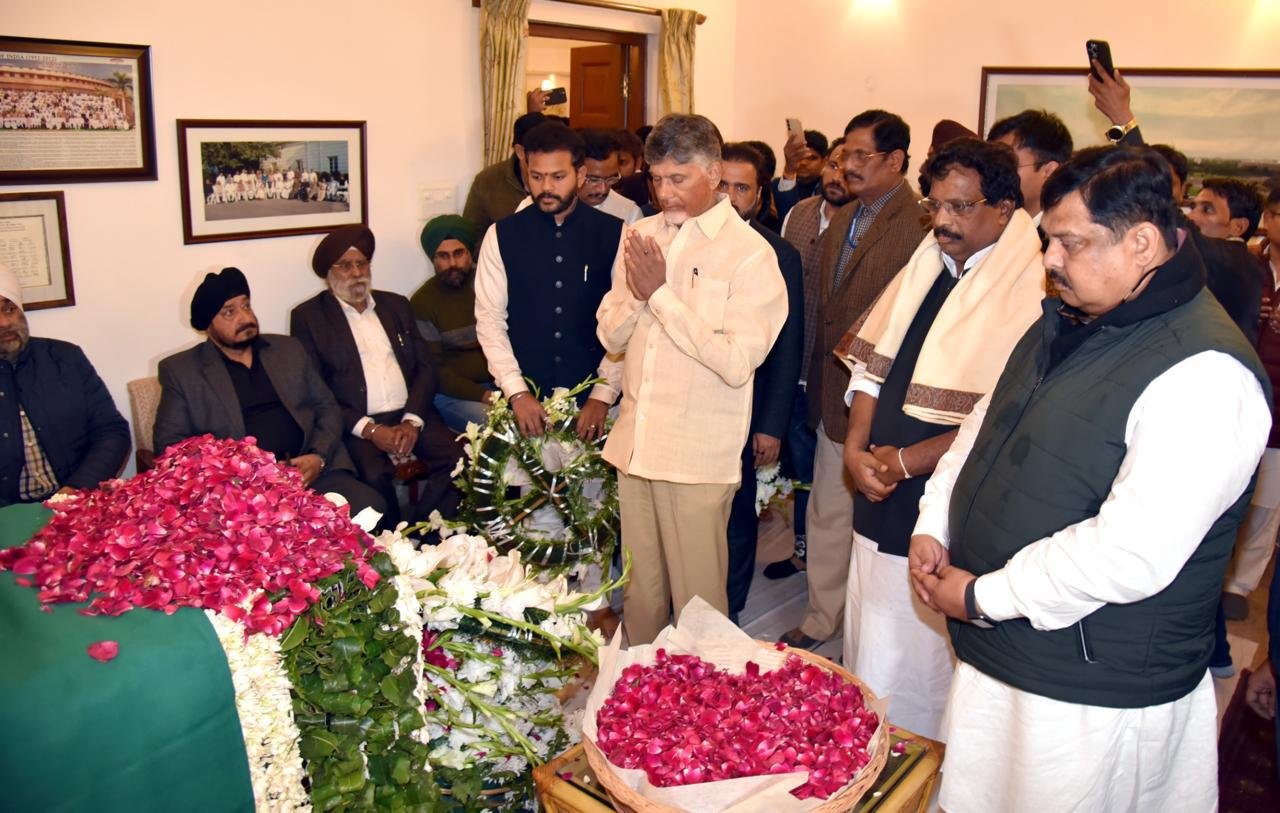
[971,609]
[1118,131]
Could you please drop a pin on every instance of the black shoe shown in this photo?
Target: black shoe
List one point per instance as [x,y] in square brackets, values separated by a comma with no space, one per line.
[783,569]
[1235,607]
[798,640]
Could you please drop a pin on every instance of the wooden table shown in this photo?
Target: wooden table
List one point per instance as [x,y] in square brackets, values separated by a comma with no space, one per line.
[567,784]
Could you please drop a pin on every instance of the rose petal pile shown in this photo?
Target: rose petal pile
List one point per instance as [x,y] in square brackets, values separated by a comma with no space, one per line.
[684,720]
[217,524]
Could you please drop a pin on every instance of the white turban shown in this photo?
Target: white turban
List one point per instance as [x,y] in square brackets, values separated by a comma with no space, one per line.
[9,287]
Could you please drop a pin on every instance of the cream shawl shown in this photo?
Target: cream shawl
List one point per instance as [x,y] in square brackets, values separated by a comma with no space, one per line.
[984,316]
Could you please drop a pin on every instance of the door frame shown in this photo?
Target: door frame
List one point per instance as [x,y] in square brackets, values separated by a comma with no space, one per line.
[635,58]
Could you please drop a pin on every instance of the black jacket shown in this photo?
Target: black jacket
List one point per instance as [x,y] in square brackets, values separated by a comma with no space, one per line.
[80,430]
[775,382]
[198,397]
[321,326]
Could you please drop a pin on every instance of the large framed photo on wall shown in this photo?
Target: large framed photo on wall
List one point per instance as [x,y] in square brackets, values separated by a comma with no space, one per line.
[1225,121]
[242,180]
[34,245]
[75,111]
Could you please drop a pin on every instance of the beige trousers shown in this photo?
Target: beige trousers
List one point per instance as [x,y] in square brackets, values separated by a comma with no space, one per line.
[676,533]
[829,523]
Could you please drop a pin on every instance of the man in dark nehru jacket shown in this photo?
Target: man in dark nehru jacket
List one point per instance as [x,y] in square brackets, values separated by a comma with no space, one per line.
[242,383]
[542,273]
[366,346]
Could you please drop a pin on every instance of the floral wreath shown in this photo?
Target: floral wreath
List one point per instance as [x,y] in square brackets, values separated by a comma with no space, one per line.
[557,471]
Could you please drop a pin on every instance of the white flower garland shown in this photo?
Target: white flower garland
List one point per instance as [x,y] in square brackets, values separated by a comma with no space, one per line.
[265,707]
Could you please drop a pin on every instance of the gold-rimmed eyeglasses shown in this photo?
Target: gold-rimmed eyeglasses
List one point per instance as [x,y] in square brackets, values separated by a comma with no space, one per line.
[956,208]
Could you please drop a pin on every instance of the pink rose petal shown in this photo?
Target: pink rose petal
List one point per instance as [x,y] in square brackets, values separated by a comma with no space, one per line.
[103,651]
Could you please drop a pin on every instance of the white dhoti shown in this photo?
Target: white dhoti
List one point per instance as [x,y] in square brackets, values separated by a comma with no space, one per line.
[1010,750]
[893,642]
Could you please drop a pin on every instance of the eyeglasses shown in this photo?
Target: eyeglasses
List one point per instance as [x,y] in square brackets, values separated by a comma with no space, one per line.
[956,208]
[596,180]
[861,156]
[351,265]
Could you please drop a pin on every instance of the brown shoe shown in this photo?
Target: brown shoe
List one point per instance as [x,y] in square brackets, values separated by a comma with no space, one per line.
[798,640]
[605,620]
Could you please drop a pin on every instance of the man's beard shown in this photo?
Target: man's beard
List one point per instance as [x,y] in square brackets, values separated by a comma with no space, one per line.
[562,202]
[835,193]
[241,344]
[12,348]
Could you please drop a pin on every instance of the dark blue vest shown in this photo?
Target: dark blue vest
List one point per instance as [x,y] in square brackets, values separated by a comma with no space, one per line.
[556,277]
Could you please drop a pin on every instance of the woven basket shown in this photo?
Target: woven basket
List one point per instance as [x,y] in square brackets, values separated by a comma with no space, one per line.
[627,800]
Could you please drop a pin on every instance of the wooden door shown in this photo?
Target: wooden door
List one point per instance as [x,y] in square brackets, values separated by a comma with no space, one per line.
[596,89]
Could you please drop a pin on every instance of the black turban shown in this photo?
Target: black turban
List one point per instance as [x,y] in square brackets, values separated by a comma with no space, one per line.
[336,243]
[213,293]
[448,227]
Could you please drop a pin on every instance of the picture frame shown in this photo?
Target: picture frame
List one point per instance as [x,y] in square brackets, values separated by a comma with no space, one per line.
[73,111]
[1223,120]
[244,179]
[34,245]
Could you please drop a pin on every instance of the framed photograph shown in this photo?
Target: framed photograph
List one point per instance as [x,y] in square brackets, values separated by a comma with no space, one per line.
[1225,121]
[75,111]
[33,243]
[242,180]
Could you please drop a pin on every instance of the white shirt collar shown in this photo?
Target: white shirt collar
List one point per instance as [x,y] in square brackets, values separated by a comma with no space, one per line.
[347,309]
[969,263]
[712,220]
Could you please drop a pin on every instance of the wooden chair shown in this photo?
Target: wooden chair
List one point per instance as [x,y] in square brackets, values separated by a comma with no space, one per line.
[144,399]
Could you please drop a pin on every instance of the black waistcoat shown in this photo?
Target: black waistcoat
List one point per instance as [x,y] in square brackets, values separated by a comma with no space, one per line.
[556,277]
[890,521]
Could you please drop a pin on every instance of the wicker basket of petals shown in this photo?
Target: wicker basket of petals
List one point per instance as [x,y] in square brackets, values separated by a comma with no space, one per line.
[843,760]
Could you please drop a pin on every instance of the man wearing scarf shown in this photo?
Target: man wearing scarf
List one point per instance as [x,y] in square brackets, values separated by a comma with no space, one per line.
[1077,531]
[922,356]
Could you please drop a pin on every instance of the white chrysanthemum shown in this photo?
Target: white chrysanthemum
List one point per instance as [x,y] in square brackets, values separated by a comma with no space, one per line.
[265,707]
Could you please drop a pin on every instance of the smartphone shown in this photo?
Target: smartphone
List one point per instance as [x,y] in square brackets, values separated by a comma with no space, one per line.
[1100,50]
[558,96]
[795,128]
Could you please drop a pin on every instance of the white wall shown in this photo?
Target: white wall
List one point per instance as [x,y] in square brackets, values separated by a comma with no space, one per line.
[409,67]
[826,60]
[410,71]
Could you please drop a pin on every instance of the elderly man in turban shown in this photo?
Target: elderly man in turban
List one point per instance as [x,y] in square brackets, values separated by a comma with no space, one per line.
[367,348]
[61,430]
[242,383]
[445,307]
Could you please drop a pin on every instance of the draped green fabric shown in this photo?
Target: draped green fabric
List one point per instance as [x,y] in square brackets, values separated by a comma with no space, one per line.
[155,729]
[675,60]
[503,33]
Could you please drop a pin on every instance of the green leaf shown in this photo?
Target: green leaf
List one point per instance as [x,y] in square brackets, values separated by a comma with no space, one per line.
[317,744]
[296,634]
[391,689]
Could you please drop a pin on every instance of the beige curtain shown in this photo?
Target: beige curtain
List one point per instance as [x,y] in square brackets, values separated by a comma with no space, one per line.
[675,61]
[504,26]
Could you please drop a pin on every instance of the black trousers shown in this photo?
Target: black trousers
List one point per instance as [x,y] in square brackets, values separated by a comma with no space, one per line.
[437,447]
[744,529]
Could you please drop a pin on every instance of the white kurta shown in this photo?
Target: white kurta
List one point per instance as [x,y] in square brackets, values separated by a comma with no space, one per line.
[1194,437]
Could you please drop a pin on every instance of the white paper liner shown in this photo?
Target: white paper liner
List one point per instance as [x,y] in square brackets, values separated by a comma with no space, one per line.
[706,633]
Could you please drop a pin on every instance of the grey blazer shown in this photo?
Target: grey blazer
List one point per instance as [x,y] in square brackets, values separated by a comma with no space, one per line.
[197,397]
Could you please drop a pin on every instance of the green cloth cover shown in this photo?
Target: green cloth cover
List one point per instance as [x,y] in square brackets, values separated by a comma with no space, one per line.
[154,729]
